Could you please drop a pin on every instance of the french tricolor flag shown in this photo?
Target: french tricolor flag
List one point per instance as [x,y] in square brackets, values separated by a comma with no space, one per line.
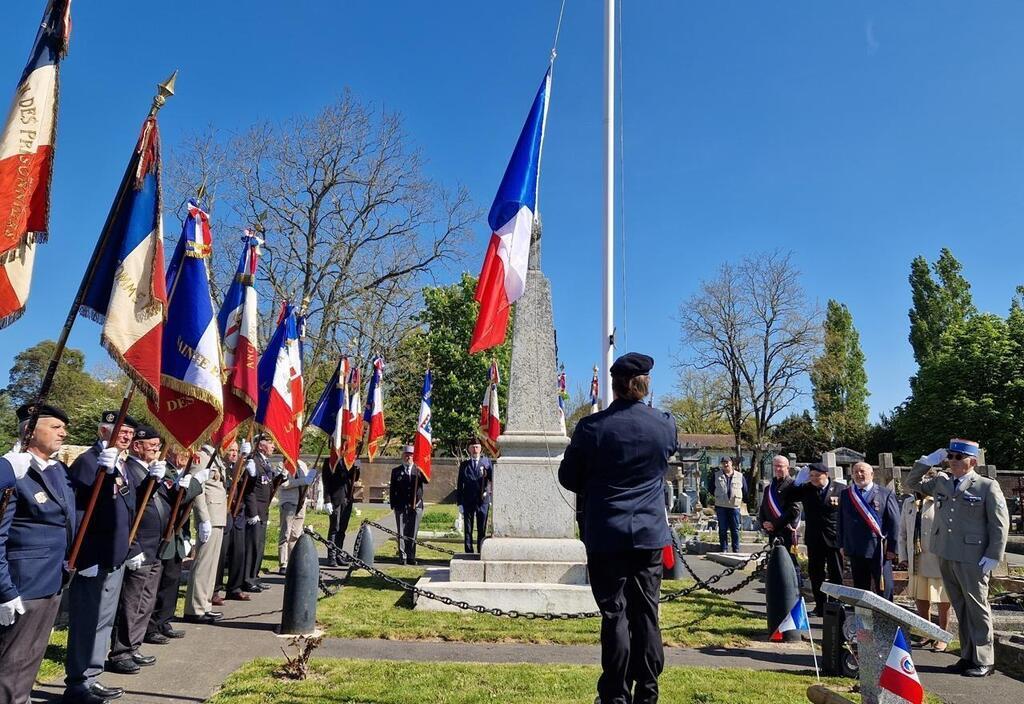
[353,422]
[328,414]
[796,620]
[26,160]
[899,676]
[503,276]
[280,386]
[373,416]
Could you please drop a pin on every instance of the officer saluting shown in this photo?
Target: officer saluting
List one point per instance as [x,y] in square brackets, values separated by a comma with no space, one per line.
[819,495]
[618,457]
[36,532]
[472,495]
[971,526]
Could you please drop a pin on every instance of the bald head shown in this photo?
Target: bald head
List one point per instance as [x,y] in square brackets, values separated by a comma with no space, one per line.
[863,474]
[780,466]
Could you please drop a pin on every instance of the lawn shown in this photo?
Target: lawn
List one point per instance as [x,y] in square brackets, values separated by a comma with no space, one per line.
[384,682]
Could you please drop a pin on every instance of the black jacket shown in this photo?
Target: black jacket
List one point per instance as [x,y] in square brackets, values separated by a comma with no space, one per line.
[400,490]
[783,525]
[471,489]
[106,538]
[821,512]
[338,482]
[259,490]
[156,512]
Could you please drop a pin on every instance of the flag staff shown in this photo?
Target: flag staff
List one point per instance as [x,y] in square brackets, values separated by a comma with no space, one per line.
[608,307]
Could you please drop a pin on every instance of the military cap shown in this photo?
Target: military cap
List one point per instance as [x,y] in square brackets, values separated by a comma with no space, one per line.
[42,410]
[110,417]
[408,450]
[818,467]
[146,432]
[964,447]
[632,364]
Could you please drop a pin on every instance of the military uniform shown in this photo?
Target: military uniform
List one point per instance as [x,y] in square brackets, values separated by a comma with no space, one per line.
[209,507]
[821,535]
[338,487]
[232,549]
[408,510]
[971,523]
[865,550]
[475,475]
[259,491]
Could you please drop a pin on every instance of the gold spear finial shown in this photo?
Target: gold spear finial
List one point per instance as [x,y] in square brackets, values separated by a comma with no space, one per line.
[163,91]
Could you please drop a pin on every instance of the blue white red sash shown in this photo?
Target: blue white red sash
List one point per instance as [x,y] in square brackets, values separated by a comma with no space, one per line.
[774,504]
[866,511]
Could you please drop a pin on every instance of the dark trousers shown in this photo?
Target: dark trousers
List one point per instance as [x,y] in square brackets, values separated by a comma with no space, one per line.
[866,572]
[22,646]
[338,525]
[255,542]
[232,557]
[92,606]
[626,587]
[823,564]
[166,596]
[728,525]
[470,516]
[138,598]
[407,522]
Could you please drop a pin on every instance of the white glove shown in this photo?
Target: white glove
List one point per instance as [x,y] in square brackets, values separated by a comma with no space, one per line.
[202,475]
[252,521]
[987,564]
[135,562]
[89,571]
[108,459]
[10,610]
[803,476]
[250,468]
[188,547]
[205,531]
[461,510]
[279,469]
[936,458]
[329,508]
[157,469]
[183,481]
[245,448]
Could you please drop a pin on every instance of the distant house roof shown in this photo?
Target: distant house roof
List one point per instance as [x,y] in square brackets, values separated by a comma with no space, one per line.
[706,440]
[845,455]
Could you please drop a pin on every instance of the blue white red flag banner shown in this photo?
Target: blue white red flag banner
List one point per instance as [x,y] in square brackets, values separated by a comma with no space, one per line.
[128,293]
[280,389]
[373,416]
[866,511]
[899,676]
[238,323]
[27,143]
[561,401]
[795,620]
[595,393]
[354,422]
[190,406]
[328,414]
[503,275]
[423,444]
[490,414]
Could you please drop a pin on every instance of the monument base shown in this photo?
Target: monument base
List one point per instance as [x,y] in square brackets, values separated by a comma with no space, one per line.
[540,597]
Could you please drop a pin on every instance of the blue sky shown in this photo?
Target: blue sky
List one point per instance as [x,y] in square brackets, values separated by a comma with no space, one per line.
[857,135]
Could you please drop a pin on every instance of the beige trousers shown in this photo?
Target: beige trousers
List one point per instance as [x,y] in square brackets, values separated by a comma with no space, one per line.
[203,579]
[290,531]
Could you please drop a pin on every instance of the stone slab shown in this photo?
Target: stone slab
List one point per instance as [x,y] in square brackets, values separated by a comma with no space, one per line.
[528,500]
[534,549]
[732,559]
[540,598]
[463,570]
[523,571]
[865,600]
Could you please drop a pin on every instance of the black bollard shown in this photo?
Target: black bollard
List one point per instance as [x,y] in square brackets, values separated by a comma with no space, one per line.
[780,591]
[677,571]
[366,545]
[301,585]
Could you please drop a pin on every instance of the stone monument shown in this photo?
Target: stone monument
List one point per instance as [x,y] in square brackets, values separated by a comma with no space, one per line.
[875,620]
[533,561]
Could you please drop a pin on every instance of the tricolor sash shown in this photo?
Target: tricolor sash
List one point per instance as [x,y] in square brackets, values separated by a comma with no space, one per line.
[774,502]
[866,512]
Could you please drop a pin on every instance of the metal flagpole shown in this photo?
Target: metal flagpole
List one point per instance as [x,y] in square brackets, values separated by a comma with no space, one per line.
[608,317]
[814,655]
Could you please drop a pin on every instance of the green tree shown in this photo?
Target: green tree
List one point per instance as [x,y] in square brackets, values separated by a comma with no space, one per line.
[798,434]
[839,384]
[701,402]
[939,301]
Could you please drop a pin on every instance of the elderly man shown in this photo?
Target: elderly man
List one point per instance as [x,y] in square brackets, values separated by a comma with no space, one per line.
[819,495]
[36,532]
[292,505]
[869,523]
[728,487]
[232,551]
[210,511]
[779,512]
[472,495]
[971,526]
[406,499]
[257,495]
[619,456]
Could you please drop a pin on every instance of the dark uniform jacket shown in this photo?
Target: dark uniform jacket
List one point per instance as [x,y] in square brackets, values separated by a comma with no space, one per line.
[471,488]
[618,458]
[855,537]
[338,483]
[156,512]
[821,512]
[259,490]
[174,549]
[782,527]
[36,533]
[400,490]
[106,538]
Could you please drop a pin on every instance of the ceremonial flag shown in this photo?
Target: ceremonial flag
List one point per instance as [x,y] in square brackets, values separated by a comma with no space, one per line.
[26,160]
[899,676]
[238,321]
[128,293]
[280,374]
[796,620]
[353,423]
[503,275]
[595,392]
[328,414]
[190,403]
[562,395]
[423,444]
[373,416]
[490,417]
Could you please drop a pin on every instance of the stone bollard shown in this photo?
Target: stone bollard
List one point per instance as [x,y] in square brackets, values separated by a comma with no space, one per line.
[366,549]
[781,591]
[301,585]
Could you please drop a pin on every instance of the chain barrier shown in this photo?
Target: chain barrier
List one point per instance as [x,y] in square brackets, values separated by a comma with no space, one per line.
[421,543]
[332,554]
[708,585]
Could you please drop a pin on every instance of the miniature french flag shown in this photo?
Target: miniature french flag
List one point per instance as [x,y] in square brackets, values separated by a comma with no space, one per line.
[899,676]
[796,620]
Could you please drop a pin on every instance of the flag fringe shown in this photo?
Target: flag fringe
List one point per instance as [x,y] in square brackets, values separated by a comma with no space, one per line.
[11,318]
[243,397]
[293,460]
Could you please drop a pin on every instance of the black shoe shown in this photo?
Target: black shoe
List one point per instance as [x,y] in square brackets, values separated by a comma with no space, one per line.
[979,671]
[959,666]
[410,562]
[156,639]
[208,617]
[143,660]
[253,589]
[124,666]
[172,633]
[102,692]
[82,698]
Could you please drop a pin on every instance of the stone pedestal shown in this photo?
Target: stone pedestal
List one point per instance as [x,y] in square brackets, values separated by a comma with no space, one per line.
[533,561]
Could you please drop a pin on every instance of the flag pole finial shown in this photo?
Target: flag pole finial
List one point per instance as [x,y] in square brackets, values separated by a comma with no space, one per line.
[163,91]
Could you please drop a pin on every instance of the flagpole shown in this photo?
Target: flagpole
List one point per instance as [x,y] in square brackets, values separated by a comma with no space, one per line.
[814,655]
[608,308]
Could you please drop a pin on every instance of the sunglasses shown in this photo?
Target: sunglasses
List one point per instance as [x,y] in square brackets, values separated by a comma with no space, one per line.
[956,456]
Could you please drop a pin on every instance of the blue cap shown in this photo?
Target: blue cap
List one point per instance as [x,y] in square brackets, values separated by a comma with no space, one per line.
[964,447]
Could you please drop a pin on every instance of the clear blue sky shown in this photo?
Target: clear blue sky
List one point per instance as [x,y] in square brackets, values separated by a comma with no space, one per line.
[857,135]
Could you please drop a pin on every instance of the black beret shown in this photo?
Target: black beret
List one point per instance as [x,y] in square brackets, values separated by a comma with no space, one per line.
[145,432]
[42,410]
[110,417]
[632,364]
[818,467]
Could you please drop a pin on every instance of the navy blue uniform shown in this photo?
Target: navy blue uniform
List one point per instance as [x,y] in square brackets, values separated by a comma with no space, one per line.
[618,458]
[408,510]
[106,539]
[338,488]
[821,512]
[863,548]
[471,493]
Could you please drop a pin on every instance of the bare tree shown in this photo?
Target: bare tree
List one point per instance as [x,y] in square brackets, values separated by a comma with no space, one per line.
[700,402]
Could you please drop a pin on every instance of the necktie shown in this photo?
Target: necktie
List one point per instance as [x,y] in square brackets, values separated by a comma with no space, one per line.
[956,484]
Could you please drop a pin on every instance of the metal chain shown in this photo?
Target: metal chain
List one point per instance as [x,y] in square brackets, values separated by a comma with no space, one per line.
[421,543]
[707,585]
[335,586]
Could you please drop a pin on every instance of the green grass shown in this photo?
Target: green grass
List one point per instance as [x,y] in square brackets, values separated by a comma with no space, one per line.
[52,666]
[385,682]
[368,607]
